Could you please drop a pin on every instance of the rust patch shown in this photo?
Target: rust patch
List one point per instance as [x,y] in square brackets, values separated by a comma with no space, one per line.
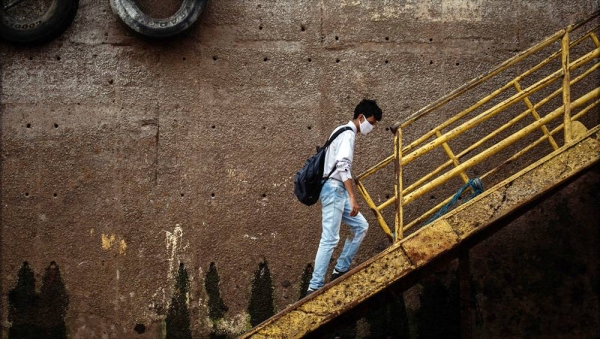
[429,242]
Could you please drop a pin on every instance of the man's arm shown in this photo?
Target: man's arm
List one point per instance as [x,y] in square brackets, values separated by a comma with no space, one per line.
[353,202]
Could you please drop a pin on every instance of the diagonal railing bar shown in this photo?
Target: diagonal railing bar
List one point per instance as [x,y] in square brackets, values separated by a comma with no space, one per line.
[497,147]
[503,104]
[495,93]
[536,116]
[503,66]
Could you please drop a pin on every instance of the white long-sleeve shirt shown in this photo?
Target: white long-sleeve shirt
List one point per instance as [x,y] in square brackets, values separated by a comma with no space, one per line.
[340,153]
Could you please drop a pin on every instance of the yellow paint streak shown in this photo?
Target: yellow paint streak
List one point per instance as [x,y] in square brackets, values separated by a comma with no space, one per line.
[110,241]
[107,241]
[122,247]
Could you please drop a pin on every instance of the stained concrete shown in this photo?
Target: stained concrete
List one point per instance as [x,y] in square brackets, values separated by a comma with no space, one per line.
[122,157]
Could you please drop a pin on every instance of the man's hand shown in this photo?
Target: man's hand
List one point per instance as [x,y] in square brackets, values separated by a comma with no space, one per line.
[353,202]
[354,205]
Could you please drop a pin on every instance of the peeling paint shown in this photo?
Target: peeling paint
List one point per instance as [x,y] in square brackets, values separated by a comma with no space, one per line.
[173,242]
[107,241]
[110,241]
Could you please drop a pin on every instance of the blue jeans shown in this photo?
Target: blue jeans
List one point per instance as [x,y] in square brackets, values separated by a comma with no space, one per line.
[335,209]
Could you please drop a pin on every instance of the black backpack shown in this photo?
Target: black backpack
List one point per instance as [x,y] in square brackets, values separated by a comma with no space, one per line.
[308,180]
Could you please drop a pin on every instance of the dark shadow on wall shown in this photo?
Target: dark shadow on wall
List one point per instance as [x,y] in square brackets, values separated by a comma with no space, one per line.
[178,315]
[23,303]
[261,306]
[36,315]
[439,314]
[305,280]
[390,320]
[216,306]
[1,203]
[54,303]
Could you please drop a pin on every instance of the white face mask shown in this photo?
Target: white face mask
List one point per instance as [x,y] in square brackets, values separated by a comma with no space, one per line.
[365,127]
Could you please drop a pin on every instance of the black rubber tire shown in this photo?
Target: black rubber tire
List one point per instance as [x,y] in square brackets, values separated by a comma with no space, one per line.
[145,25]
[43,29]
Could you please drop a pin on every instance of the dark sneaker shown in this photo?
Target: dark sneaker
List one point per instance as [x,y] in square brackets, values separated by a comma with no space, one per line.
[336,274]
[309,292]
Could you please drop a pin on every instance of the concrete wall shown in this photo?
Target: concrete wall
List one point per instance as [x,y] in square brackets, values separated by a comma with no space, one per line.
[124,157]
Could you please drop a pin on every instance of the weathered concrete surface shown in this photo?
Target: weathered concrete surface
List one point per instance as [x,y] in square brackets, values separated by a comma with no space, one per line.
[122,157]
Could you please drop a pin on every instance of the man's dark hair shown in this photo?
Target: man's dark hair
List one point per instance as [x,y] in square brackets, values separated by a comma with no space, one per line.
[369,108]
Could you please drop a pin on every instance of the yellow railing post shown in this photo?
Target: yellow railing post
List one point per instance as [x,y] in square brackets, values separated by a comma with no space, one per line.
[566,86]
[398,232]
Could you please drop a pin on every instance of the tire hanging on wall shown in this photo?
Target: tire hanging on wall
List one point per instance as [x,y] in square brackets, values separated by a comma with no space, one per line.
[43,29]
[143,24]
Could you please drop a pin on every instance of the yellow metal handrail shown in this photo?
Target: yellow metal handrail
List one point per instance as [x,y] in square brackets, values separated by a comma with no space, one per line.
[497,120]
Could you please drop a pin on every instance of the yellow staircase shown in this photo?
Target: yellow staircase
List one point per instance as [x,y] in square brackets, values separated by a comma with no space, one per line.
[528,135]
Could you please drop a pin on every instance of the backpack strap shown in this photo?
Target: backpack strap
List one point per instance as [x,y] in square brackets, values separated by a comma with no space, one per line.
[333,136]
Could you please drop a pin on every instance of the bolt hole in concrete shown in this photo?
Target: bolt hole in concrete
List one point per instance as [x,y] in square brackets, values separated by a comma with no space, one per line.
[387,38]
[184,58]
[302,28]
[337,60]
[309,127]
[55,195]
[264,195]
[386,61]
[58,58]
[430,39]
[431,62]
[140,328]
[182,195]
[260,27]
[309,59]
[215,58]
[265,59]
[26,194]
[337,38]
[212,195]
[111,81]
[55,125]
[213,126]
